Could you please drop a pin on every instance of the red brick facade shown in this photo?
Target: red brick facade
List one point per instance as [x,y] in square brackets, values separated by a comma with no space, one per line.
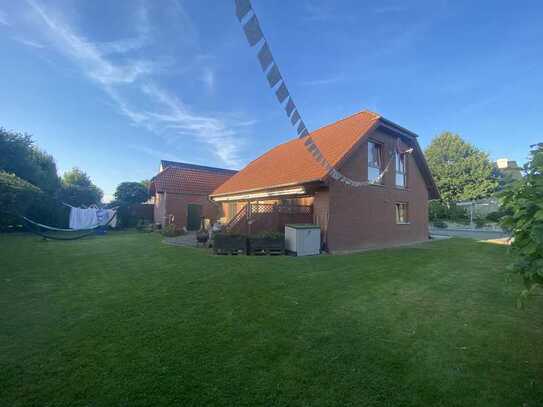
[364,217]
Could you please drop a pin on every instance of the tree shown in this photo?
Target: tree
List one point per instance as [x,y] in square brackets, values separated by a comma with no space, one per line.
[523,201]
[146,183]
[461,171]
[19,155]
[131,193]
[16,196]
[78,189]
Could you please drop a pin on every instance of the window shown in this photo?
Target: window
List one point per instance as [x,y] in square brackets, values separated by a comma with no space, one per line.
[401,213]
[401,170]
[374,162]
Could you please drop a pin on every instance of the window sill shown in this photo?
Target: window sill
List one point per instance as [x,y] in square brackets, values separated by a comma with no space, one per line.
[371,184]
[403,223]
[401,188]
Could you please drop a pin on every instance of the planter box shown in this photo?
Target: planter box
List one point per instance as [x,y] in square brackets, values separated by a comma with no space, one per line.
[266,245]
[229,244]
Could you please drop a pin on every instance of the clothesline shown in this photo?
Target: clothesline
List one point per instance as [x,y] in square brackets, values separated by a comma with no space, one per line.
[88,218]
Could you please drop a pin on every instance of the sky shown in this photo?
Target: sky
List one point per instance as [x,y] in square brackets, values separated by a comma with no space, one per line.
[114,87]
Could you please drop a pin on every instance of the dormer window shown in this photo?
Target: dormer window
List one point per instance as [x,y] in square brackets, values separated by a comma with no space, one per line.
[375,161]
[401,169]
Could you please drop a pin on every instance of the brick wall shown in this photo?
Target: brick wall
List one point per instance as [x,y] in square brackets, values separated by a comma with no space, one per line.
[176,205]
[365,217]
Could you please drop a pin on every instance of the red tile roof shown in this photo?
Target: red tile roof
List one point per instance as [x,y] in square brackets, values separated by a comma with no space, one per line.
[188,178]
[290,163]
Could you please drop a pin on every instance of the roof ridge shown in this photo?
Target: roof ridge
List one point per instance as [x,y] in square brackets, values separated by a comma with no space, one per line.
[377,117]
[185,165]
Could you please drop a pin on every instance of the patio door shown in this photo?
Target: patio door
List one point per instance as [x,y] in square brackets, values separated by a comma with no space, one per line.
[194,215]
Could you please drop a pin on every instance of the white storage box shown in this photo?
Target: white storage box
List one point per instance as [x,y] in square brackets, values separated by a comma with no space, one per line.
[303,239]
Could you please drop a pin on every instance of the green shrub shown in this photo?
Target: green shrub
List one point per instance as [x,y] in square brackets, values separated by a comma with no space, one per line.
[16,197]
[439,224]
[495,217]
[480,222]
[438,210]
[523,200]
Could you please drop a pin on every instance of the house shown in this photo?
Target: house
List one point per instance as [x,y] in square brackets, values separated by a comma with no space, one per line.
[181,193]
[287,185]
[508,169]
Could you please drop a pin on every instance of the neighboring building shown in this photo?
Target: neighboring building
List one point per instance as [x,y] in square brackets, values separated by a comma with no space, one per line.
[509,169]
[288,184]
[181,193]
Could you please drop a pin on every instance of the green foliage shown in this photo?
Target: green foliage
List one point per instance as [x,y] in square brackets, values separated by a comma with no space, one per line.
[461,171]
[440,224]
[19,155]
[78,189]
[480,222]
[496,216]
[439,210]
[128,193]
[16,196]
[524,202]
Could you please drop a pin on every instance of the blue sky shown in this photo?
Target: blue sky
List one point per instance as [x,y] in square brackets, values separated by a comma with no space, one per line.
[113,87]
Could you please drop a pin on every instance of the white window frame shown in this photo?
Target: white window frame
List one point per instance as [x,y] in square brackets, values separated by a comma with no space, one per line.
[397,213]
[401,158]
[372,177]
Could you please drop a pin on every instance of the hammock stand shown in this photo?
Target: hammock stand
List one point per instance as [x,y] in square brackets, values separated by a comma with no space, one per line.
[36,228]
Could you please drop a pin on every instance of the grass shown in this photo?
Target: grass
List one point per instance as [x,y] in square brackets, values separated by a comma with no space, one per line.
[126,320]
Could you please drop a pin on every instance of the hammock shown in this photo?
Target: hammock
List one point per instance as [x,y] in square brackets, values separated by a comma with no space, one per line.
[50,232]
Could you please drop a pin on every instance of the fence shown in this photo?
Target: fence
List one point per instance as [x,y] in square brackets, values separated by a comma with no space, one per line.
[257,218]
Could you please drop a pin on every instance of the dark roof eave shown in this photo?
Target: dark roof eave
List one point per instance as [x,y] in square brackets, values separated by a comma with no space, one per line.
[260,189]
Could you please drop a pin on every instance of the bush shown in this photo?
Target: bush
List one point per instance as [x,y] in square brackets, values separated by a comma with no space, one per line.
[438,210]
[171,230]
[495,217]
[16,197]
[480,222]
[523,201]
[439,224]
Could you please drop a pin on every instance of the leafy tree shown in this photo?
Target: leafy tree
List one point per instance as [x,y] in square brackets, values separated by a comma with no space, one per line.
[131,193]
[146,183]
[78,189]
[461,171]
[16,196]
[523,201]
[19,155]
[127,195]
[16,193]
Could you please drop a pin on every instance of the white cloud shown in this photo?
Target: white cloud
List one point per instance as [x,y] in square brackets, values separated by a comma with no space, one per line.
[163,112]
[4,19]
[88,55]
[29,43]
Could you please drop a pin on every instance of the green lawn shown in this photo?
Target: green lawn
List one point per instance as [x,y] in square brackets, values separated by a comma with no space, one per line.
[126,320]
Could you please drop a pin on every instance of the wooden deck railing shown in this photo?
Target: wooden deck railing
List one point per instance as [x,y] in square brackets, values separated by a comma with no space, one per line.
[257,218]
